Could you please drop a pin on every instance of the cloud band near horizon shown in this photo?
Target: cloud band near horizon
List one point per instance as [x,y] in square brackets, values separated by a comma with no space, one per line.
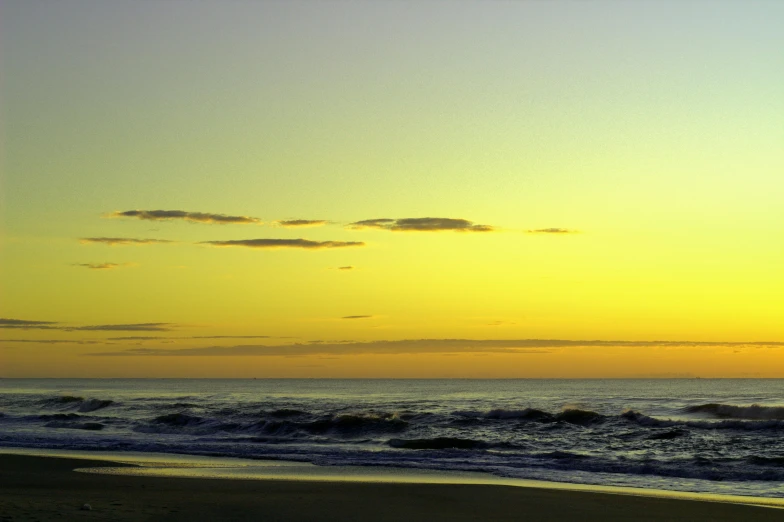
[23,324]
[54,325]
[418,346]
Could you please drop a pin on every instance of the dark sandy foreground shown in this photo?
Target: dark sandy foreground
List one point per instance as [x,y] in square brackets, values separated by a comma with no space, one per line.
[46,488]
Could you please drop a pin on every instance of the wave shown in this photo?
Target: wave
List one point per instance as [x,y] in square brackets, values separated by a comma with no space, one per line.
[731,411]
[88,426]
[581,417]
[561,455]
[644,420]
[83,405]
[182,423]
[94,404]
[60,416]
[569,415]
[344,425]
[178,419]
[285,413]
[668,435]
[766,461]
[526,414]
[437,443]
[64,399]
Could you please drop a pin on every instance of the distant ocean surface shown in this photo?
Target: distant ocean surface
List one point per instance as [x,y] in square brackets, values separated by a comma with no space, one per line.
[721,436]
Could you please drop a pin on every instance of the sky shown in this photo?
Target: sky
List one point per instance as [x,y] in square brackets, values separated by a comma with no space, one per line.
[503,189]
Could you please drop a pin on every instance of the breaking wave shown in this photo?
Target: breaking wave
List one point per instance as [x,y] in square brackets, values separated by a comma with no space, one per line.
[80,403]
[342,425]
[731,411]
[278,425]
[569,415]
[94,404]
[644,420]
[526,414]
[64,399]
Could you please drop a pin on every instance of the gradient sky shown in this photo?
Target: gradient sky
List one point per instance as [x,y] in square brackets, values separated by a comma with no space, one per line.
[604,171]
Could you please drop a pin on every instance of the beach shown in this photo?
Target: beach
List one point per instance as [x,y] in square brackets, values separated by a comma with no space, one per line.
[47,488]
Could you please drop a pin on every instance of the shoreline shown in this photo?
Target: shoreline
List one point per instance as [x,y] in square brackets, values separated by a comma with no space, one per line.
[48,488]
[180,465]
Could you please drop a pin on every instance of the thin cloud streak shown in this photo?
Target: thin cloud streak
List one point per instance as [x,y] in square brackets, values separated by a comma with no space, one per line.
[164,338]
[131,327]
[353,348]
[284,243]
[112,241]
[100,266]
[294,223]
[552,231]
[426,224]
[230,337]
[52,341]
[22,324]
[194,217]
[139,338]
[134,327]
[356,317]
[5,321]
[415,346]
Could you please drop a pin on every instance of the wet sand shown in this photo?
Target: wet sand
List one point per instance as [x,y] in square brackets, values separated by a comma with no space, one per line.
[47,488]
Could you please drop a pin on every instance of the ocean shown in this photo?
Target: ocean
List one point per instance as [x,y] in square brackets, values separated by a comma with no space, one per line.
[721,436]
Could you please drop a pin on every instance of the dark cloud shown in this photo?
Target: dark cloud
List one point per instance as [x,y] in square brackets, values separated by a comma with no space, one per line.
[284,243]
[4,321]
[27,325]
[229,337]
[426,224]
[346,268]
[100,266]
[292,223]
[356,317]
[139,338]
[552,231]
[111,241]
[384,223]
[136,352]
[50,325]
[164,338]
[51,341]
[195,217]
[134,327]
[416,346]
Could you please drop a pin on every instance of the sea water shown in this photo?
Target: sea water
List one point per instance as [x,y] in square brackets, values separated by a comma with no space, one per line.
[720,436]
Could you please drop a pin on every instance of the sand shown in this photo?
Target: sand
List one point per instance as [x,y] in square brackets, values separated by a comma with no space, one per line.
[47,488]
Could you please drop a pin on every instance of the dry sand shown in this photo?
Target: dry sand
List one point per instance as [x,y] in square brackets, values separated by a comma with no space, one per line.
[47,488]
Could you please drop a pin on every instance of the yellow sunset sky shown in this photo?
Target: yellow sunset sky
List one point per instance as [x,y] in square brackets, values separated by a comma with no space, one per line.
[392,189]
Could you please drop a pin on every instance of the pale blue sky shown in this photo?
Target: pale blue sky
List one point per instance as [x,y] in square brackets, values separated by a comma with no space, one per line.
[424,105]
